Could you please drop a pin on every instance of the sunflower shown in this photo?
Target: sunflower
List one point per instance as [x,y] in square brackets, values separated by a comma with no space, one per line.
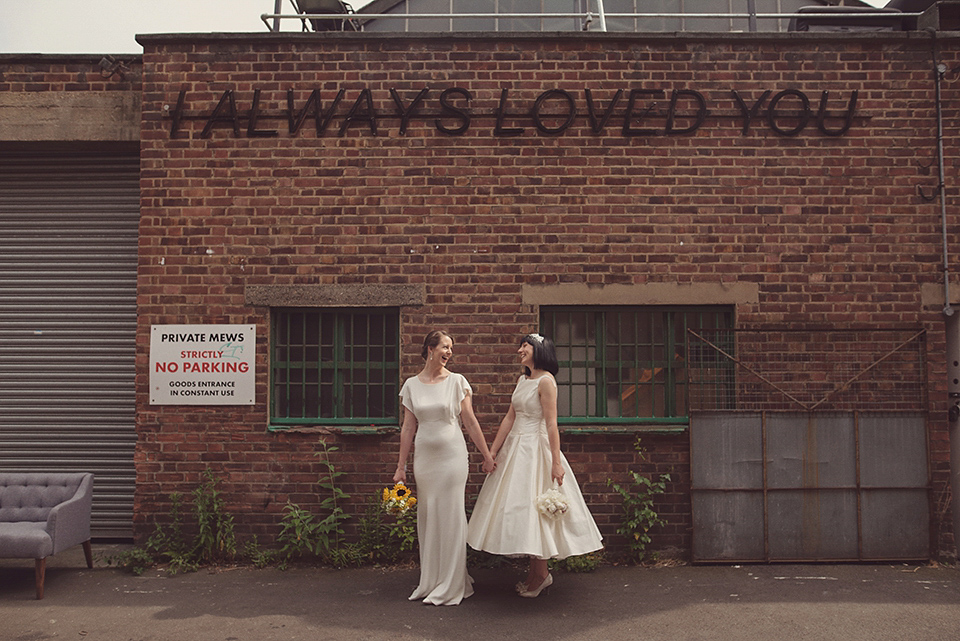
[398,499]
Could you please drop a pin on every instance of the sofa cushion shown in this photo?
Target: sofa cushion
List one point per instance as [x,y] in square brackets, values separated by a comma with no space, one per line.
[30,497]
[25,540]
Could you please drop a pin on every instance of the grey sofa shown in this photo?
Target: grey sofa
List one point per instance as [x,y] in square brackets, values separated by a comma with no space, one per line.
[43,514]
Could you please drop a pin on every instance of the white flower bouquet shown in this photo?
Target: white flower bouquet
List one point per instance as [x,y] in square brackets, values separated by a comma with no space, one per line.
[552,503]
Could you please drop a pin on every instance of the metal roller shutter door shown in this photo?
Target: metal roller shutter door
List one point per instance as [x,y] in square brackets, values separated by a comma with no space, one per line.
[68,286]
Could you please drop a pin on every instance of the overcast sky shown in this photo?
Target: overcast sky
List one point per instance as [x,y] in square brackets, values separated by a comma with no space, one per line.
[109,26]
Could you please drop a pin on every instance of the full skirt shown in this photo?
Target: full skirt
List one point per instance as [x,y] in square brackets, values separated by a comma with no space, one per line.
[506,519]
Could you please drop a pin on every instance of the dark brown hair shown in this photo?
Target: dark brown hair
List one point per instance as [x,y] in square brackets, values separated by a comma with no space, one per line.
[544,354]
[432,340]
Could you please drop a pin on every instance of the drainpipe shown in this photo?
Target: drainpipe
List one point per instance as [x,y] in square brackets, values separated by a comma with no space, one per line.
[939,69]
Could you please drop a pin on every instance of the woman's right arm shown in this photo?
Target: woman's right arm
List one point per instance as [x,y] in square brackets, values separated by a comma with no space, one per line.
[407,431]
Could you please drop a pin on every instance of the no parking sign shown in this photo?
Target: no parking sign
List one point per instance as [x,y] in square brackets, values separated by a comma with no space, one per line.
[202,364]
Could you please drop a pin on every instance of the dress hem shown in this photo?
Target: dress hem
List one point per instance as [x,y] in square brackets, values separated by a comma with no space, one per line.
[522,555]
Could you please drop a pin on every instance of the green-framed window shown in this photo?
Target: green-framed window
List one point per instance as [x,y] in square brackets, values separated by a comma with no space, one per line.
[626,365]
[334,366]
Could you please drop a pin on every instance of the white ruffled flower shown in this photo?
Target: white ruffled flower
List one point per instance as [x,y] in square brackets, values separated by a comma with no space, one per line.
[552,503]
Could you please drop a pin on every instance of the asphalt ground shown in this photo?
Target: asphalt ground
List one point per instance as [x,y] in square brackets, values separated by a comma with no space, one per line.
[868,602]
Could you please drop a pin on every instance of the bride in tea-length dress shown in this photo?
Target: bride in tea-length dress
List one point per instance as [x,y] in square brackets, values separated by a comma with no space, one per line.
[506,519]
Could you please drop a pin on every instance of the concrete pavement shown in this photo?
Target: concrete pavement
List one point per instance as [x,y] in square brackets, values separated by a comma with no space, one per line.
[749,602]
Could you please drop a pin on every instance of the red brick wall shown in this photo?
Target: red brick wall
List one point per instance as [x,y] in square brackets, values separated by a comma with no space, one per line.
[42,73]
[830,228]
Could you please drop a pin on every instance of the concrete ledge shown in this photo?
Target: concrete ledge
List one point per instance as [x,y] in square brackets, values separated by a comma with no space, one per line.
[642,294]
[336,295]
[70,116]
[299,38]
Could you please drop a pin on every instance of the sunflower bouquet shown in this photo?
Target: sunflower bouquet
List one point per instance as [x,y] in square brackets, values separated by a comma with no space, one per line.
[397,500]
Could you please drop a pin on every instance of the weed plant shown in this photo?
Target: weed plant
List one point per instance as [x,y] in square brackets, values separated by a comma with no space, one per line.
[639,516]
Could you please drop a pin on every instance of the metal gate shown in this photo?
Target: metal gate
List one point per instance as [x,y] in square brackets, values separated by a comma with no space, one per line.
[68,266]
[809,445]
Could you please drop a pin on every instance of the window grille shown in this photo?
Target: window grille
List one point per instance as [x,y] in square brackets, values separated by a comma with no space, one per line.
[335,366]
[628,365]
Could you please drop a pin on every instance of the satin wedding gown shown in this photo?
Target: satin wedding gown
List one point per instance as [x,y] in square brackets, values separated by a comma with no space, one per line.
[440,470]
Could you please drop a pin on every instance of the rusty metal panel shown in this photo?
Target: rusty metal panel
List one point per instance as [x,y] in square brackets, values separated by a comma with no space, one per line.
[725,526]
[812,525]
[727,473]
[895,478]
[811,450]
[896,524]
[893,450]
[728,452]
[827,486]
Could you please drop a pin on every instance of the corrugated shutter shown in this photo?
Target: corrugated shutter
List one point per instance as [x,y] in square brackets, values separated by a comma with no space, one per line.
[68,269]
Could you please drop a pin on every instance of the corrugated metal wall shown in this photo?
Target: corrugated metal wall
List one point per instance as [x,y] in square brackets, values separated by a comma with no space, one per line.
[68,267]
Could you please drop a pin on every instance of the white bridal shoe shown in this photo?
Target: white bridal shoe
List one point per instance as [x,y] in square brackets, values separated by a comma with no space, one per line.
[532,594]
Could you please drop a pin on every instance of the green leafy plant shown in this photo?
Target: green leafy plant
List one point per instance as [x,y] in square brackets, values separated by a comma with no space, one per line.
[259,557]
[298,532]
[135,560]
[404,529]
[581,563]
[170,545]
[215,538]
[385,537]
[638,516]
[303,534]
[329,530]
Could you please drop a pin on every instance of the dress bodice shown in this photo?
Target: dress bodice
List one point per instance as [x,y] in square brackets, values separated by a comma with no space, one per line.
[435,403]
[526,405]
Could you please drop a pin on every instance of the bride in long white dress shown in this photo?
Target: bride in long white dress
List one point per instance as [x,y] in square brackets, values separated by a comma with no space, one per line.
[435,403]
[506,519]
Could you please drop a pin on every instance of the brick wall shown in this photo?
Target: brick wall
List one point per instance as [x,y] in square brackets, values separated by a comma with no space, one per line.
[830,228]
[21,73]
[57,99]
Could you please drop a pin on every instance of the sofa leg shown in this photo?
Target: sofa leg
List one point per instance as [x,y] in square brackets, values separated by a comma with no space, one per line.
[88,552]
[40,571]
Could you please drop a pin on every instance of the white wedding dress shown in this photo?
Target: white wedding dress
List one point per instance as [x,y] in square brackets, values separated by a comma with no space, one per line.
[505,519]
[440,470]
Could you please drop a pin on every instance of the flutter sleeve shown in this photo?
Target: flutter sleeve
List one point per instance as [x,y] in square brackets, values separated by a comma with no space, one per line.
[406,395]
[463,389]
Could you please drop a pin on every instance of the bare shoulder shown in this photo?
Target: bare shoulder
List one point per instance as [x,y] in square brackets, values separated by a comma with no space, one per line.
[546,382]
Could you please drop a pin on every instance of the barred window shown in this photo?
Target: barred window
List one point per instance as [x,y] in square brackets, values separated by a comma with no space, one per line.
[335,366]
[626,365]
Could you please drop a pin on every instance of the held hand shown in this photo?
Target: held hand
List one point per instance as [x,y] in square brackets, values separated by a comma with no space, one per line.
[400,476]
[489,465]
